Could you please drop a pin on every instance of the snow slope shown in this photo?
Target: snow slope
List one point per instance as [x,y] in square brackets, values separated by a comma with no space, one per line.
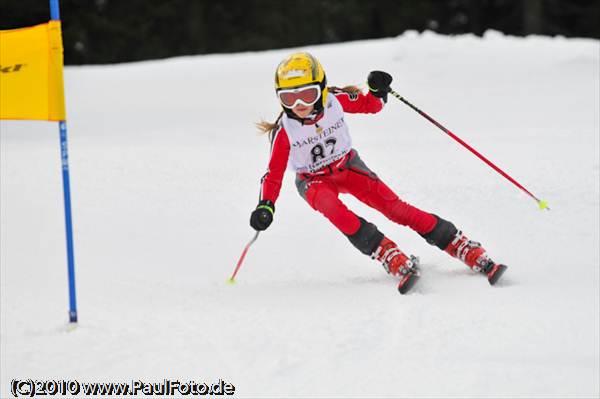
[165,167]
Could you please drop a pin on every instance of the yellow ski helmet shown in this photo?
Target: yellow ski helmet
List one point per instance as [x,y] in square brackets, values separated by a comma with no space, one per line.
[301,69]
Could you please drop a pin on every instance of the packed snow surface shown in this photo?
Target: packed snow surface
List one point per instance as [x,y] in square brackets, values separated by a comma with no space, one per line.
[165,170]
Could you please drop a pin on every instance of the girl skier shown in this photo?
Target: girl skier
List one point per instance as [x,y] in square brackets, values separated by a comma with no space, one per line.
[311,135]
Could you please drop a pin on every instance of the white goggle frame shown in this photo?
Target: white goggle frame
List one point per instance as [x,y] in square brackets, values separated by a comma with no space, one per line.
[299,100]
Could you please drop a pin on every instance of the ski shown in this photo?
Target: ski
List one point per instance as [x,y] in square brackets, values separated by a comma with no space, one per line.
[496,272]
[407,282]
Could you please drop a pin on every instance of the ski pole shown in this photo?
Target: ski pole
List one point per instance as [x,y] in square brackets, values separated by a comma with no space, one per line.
[541,203]
[231,280]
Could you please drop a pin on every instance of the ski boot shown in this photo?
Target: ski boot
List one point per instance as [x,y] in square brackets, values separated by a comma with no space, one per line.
[474,256]
[397,263]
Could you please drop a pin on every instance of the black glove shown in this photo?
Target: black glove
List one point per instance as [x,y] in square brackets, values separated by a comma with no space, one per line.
[262,216]
[379,83]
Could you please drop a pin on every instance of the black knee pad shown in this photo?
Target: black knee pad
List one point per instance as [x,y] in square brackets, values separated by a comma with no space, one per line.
[367,238]
[442,234]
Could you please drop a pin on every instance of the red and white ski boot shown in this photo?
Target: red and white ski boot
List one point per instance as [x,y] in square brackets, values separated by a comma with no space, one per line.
[475,256]
[397,263]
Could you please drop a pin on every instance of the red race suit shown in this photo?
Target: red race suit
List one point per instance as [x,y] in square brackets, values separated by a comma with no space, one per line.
[321,154]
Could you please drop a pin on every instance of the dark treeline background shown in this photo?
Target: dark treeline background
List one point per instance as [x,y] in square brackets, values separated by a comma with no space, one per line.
[108,31]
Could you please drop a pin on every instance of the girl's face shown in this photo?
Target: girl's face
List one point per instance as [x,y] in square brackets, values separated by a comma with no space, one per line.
[302,111]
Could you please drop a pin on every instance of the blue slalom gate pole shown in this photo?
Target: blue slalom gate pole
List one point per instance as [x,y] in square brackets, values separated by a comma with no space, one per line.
[62,125]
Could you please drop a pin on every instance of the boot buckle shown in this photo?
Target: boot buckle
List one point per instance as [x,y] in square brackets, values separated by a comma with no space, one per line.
[483,264]
[411,266]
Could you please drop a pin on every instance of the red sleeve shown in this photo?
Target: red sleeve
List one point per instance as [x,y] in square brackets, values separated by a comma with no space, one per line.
[359,103]
[280,152]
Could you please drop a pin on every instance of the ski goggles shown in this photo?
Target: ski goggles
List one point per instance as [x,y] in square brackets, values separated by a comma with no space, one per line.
[307,95]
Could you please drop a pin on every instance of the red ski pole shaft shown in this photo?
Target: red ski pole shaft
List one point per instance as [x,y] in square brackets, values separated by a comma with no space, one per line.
[239,264]
[542,204]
